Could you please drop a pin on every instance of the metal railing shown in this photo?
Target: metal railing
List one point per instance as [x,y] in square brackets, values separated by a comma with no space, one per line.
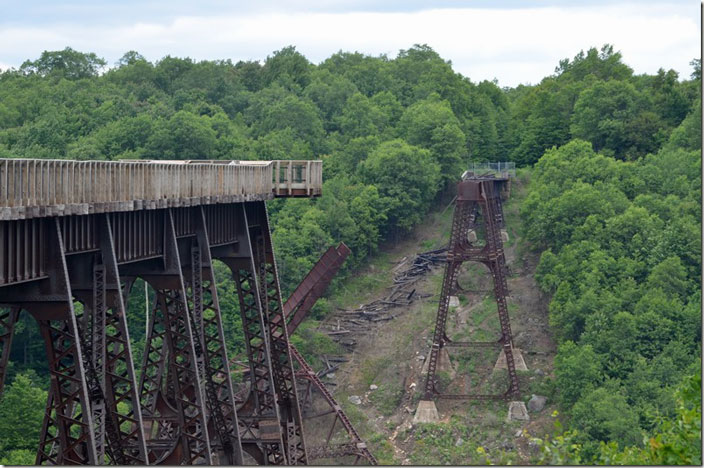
[37,187]
[498,169]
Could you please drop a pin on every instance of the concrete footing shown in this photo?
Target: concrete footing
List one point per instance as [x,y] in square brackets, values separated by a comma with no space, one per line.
[427,412]
[518,360]
[517,412]
[444,364]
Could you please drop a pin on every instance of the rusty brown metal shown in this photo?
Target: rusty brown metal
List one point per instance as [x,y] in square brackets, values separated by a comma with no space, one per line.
[357,446]
[8,319]
[483,194]
[83,233]
[296,307]
[314,285]
[272,307]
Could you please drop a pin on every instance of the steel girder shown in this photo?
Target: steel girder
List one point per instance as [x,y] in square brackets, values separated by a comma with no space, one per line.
[281,360]
[67,435]
[171,384]
[207,320]
[8,319]
[183,410]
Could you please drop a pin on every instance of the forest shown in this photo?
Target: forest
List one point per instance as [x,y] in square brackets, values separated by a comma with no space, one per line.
[614,203]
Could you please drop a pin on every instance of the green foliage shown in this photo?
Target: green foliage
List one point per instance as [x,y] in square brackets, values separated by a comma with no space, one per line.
[596,97]
[67,63]
[621,236]
[577,372]
[21,412]
[674,441]
[621,268]
[19,457]
[407,178]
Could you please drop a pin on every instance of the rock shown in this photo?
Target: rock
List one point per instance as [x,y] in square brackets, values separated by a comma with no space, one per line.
[413,385]
[459,442]
[454,301]
[537,403]
[373,387]
[354,399]
[519,433]
[539,372]
[331,375]
[421,358]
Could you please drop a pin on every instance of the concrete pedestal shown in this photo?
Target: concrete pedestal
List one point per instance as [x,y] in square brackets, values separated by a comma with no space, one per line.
[427,412]
[517,412]
[444,364]
[518,360]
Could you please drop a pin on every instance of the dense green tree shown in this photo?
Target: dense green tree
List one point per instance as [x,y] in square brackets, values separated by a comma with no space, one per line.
[288,67]
[67,63]
[604,415]
[407,179]
[614,116]
[21,412]
[431,124]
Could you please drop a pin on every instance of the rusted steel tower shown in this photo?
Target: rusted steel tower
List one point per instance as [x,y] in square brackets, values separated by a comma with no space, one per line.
[478,199]
[74,236]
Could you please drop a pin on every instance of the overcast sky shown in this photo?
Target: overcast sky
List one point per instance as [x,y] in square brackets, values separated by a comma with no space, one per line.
[513,41]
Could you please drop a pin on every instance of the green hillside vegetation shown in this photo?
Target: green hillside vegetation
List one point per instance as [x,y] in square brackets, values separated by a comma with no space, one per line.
[614,197]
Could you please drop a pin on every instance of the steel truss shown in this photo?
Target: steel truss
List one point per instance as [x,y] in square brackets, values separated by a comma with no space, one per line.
[182,410]
[272,430]
[474,195]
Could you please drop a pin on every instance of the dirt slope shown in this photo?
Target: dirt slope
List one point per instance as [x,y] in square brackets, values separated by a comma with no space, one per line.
[390,356]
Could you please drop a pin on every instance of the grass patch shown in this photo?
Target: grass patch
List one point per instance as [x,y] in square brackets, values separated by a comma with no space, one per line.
[382,449]
[387,398]
[371,368]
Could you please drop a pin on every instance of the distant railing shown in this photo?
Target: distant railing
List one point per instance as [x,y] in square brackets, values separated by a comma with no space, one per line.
[37,187]
[297,176]
[498,169]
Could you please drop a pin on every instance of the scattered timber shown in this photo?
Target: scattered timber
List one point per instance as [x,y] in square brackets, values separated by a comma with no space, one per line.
[402,293]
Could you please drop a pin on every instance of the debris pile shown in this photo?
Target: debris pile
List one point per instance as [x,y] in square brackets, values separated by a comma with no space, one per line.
[346,322]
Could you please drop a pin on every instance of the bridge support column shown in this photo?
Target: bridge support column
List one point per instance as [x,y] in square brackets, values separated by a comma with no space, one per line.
[281,359]
[474,194]
[8,319]
[67,435]
[210,347]
[107,357]
[171,383]
[262,435]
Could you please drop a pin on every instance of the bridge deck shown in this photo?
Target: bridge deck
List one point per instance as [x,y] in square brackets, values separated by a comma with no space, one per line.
[32,188]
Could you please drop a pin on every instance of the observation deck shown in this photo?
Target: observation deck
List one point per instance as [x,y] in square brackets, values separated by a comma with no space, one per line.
[35,188]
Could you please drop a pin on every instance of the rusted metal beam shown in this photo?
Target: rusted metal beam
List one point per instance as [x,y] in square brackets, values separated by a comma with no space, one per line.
[8,319]
[474,194]
[208,323]
[314,285]
[69,419]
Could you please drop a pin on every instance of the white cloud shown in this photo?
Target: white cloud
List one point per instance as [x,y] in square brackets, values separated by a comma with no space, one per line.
[513,45]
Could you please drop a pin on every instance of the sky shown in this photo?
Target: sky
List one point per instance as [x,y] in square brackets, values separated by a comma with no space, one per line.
[512,41]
